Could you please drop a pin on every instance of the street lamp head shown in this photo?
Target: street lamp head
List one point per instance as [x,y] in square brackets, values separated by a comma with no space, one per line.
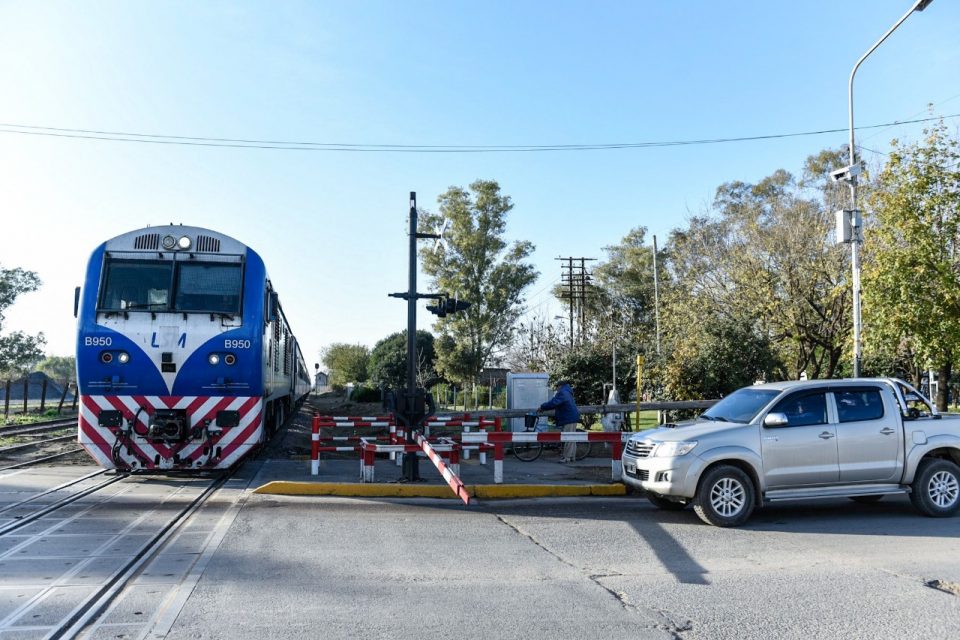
[923,4]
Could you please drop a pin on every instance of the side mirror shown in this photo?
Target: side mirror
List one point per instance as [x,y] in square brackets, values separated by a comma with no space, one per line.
[76,302]
[776,420]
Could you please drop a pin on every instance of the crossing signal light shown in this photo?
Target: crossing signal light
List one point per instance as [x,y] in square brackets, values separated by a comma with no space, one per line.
[447,305]
[454,306]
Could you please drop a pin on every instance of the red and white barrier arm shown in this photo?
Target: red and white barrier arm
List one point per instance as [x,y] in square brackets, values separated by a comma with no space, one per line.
[498,439]
[452,479]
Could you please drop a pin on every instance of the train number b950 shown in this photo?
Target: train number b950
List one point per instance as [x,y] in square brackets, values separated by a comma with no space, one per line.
[236,344]
[97,341]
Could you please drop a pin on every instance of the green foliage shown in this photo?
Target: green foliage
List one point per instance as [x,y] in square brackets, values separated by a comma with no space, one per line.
[477,265]
[588,367]
[59,368]
[912,278]
[365,393]
[765,259]
[346,363]
[716,359]
[388,360]
[18,350]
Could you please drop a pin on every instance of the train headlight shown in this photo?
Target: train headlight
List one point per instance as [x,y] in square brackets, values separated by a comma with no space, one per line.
[213,359]
[183,243]
[106,357]
[230,359]
[123,357]
[168,242]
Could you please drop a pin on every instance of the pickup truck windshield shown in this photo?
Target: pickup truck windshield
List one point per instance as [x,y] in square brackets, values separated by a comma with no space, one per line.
[740,406]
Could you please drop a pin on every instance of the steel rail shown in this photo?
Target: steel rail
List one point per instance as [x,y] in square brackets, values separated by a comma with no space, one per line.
[17,447]
[87,611]
[25,520]
[69,483]
[44,423]
[43,459]
[33,428]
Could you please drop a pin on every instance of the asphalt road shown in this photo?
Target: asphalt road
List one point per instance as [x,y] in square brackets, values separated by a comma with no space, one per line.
[309,567]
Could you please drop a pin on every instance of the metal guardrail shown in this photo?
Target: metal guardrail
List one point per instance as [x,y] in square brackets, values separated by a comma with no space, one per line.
[592,408]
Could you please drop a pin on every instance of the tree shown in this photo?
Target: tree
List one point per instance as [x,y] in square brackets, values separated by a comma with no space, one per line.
[59,367]
[717,358]
[765,260]
[18,350]
[912,279]
[388,360]
[477,265]
[346,362]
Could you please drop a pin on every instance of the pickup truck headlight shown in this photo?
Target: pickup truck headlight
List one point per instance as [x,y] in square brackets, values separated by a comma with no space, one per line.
[674,449]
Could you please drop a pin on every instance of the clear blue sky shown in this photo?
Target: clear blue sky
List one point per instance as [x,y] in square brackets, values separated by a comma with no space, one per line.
[331,225]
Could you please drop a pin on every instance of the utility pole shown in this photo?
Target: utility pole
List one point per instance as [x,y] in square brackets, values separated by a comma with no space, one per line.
[575,280]
[656,293]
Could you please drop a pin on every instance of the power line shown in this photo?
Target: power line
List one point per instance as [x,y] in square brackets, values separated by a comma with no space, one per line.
[287,145]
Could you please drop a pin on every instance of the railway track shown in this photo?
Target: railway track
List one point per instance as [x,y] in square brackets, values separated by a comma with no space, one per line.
[37,427]
[31,447]
[134,517]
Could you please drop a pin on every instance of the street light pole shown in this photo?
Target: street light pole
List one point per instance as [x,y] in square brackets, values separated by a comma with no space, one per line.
[853,214]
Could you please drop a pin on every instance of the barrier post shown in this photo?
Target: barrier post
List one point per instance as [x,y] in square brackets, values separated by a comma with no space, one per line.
[498,463]
[616,465]
[369,456]
[315,445]
[455,459]
[466,452]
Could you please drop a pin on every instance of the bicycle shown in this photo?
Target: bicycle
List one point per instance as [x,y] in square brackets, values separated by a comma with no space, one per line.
[530,451]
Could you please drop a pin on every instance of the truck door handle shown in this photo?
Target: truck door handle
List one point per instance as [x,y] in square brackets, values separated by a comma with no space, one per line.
[887,431]
[826,435]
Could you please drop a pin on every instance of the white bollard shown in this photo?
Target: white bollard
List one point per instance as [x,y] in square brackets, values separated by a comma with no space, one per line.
[498,471]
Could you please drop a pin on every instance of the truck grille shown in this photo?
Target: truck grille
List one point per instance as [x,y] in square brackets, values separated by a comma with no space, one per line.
[639,448]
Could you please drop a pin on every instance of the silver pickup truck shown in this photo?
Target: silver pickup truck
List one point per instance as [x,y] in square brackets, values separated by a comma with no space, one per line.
[860,438]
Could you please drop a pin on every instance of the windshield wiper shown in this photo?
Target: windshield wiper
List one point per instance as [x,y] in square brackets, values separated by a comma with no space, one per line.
[714,418]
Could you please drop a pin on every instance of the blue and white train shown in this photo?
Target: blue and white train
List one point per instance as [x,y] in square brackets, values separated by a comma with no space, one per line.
[185,360]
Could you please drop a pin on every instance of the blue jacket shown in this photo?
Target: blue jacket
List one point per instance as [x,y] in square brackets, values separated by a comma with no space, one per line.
[565,405]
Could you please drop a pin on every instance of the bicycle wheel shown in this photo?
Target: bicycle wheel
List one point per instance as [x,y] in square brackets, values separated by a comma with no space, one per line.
[527,451]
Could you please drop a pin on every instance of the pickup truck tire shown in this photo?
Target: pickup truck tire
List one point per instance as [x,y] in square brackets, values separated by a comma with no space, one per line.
[666,505]
[725,497]
[936,488]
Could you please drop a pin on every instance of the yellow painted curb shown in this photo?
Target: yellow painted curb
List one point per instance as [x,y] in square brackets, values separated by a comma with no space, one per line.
[375,490]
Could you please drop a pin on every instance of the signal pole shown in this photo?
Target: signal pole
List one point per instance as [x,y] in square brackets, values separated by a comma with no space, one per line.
[416,404]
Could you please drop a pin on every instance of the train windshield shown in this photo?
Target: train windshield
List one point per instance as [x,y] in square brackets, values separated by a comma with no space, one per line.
[141,284]
[157,285]
[208,287]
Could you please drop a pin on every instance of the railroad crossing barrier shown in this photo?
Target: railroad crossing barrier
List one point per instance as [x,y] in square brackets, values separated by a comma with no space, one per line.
[614,438]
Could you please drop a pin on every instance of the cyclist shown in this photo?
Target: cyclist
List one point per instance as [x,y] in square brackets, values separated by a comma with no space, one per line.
[566,416]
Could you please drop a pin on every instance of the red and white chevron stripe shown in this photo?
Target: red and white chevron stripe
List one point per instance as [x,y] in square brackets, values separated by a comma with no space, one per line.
[231,444]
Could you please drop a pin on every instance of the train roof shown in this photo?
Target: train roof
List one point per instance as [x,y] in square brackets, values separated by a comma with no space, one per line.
[177,237]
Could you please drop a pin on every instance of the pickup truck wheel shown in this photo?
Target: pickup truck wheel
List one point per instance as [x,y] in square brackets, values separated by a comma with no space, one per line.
[666,505]
[936,488]
[725,497]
